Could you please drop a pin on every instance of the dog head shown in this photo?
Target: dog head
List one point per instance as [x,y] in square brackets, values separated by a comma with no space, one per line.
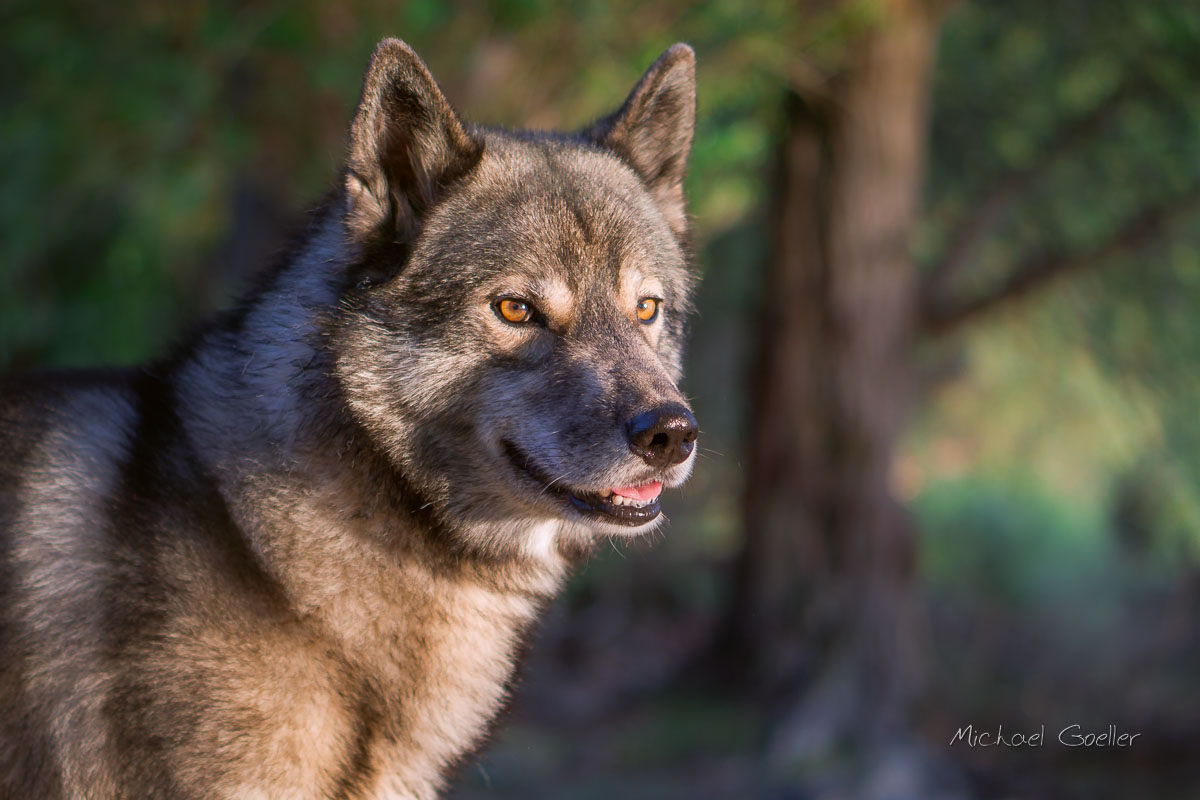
[514,338]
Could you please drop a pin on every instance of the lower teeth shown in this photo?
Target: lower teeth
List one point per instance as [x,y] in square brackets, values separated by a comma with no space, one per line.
[611,498]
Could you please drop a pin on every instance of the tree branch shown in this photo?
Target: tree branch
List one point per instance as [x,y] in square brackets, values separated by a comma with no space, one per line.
[1005,192]
[939,315]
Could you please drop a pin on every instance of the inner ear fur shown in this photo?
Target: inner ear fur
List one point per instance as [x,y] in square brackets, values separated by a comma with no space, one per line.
[653,130]
[406,145]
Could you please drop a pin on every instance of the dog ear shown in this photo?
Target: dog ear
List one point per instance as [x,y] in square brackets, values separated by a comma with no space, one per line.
[406,145]
[652,131]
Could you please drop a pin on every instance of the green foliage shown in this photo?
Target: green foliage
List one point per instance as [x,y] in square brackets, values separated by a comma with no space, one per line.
[1094,377]
[1012,543]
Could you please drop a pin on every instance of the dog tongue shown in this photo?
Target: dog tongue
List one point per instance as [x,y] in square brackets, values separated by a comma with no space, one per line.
[647,491]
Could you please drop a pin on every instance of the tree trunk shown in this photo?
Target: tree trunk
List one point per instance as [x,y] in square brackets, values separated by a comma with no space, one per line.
[823,607]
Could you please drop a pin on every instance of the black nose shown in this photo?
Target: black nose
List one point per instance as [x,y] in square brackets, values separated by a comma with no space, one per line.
[663,436]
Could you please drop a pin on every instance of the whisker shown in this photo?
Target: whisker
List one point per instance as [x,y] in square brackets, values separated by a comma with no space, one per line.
[551,484]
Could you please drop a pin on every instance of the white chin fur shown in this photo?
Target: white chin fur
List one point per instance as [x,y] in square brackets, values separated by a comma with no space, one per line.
[625,531]
[678,474]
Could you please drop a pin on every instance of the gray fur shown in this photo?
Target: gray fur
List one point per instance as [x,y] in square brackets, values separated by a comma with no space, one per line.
[298,558]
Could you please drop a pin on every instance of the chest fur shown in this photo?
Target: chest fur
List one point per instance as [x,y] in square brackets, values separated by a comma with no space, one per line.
[446,687]
[375,694]
[425,645]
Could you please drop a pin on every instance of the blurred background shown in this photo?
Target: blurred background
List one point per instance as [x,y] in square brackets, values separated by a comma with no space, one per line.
[945,358]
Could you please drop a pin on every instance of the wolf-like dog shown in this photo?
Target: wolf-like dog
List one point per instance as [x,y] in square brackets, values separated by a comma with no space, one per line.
[298,557]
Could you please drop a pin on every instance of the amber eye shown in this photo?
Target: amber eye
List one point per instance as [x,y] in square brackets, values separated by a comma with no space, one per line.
[515,311]
[647,309]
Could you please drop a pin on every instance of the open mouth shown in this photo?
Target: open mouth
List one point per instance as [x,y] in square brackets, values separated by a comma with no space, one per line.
[623,505]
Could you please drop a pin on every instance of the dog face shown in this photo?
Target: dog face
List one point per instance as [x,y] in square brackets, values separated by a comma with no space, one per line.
[518,351]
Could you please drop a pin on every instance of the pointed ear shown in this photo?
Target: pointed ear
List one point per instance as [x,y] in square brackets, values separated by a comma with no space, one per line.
[406,146]
[653,130]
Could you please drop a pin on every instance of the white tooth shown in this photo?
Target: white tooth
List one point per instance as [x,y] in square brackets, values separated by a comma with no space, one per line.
[621,500]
